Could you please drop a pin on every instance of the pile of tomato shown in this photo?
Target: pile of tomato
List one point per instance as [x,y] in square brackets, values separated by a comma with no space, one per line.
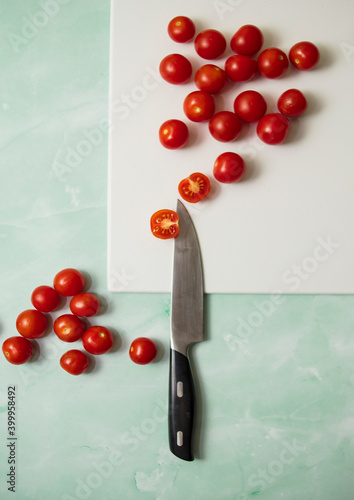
[249,106]
[97,340]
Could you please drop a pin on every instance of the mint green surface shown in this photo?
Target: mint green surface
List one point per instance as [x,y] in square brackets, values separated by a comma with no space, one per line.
[275,376]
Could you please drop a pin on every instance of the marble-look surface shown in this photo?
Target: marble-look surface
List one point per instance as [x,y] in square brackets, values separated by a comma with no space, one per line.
[275,376]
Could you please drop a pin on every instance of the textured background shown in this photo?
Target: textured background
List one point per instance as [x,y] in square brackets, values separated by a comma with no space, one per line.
[275,377]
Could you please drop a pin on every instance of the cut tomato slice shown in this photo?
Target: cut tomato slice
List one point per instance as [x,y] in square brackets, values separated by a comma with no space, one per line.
[164,224]
[194,188]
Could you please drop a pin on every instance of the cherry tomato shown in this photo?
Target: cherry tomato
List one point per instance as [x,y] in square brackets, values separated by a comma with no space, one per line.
[210,44]
[175,69]
[304,55]
[273,128]
[164,224]
[250,106]
[247,40]
[17,350]
[199,106]
[225,126]
[74,362]
[173,134]
[194,188]
[229,167]
[292,103]
[210,78]
[31,323]
[181,29]
[240,68]
[45,298]
[142,351]
[84,305]
[68,328]
[97,340]
[272,63]
[69,282]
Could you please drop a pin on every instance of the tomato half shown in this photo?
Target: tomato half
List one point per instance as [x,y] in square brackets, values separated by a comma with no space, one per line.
[194,188]
[175,69]
[225,126]
[304,55]
[74,362]
[164,224]
[250,106]
[273,128]
[97,340]
[45,298]
[199,106]
[84,305]
[272,62]
[142,351]
[210,44]
[68,328]
[240,68]
[181,29]
[247,40]
[17,350]
[173,134]
[31,323]
[292,103]
[210,78]
[69,282]
[229,167]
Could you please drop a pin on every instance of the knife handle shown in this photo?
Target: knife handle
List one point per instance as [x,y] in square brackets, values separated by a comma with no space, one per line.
[181,406]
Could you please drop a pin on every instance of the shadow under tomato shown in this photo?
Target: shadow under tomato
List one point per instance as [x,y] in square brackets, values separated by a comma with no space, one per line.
[36,351]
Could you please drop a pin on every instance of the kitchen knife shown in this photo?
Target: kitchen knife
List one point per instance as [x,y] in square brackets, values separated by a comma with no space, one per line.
[186,329]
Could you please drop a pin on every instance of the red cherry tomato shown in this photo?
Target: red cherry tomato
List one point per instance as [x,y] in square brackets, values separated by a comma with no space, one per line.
[225,126]
[250,106]
[74,362]
[273,128]
[45,298]
[194,188]
[247,40]
[173,134]
[142,351]
[199,106]
[292,103]
[164,224]
[210,78]
[210,44]
[17,350]
[229,167]
[175,69]
[31,324]
[272,63]
[84,305]
[68,328]
[240,68]
[304,55]
[69,282]
[181,29]
[97,340]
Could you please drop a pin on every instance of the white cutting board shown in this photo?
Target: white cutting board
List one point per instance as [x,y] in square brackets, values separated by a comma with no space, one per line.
[288,227]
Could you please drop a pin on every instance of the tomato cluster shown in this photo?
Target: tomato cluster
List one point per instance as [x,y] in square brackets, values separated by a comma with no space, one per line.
[249,106]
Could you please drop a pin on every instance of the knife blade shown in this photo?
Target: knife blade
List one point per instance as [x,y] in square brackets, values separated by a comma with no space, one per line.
[186,329]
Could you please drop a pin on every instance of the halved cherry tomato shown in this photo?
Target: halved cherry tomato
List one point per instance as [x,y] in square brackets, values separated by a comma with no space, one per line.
[181,29]
[250,106]
[240,68]
[173,134]
[247,40]
[164,224]
[142,351]
[17,350]
[84,305]
[74,362]
[175,69]
[199,106]
[194,188]
[225,126]
[272,62]
[210,44]
[210,78]
[229,167]
[31,323]
[304,55]
[292,103]
[68,327]
[69,282]
[97,340]
[273,128]
[45,298]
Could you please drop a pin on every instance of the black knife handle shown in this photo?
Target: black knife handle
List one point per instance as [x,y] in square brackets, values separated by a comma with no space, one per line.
[181,406]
